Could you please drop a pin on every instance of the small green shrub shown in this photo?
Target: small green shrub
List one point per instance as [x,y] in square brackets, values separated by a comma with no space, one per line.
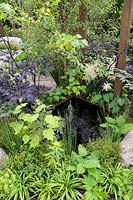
[5,183]
[94,191]
[109,151]
[88,167]
[21,160]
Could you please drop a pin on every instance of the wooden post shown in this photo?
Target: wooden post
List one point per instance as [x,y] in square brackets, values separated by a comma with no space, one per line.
[82,19]
[124,36]
[1,29]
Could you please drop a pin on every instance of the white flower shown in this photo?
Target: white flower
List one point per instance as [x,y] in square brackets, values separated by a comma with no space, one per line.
[107,86]
[90,71]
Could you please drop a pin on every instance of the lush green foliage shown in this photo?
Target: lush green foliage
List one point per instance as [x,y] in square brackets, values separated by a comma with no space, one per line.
[88,166]
[116,127]
[58,177]
[35,127]
[108,101]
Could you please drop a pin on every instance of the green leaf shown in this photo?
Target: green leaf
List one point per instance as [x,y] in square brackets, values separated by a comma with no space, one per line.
[71,168]
[95,154]
[49,134]
[19,108]
[17,127]
[78,36]
[5,7]
[104,125]
[120,121]
[126,128]
[110,120]
[71,80]
[84,42]
[52,121]
[89,182]
[40,108]
[26,139]
[34,141]
[112,104]
[80,169]
[82,151]
[90,195]
[74,89]
[77,93]
[57,98]
[97,174]
[111,95]
[26,117]
[106,98]
[115,109]
[120,101]
[96,98]
[92,164]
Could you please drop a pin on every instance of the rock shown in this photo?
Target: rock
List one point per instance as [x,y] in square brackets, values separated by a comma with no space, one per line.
[127,149]
[6,57]
[14,42]
[47,82]
[3,157]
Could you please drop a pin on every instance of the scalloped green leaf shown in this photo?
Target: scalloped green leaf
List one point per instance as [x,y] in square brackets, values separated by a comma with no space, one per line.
[26,139]
[34,142]
[52,121]
[17,127]
[80,169]
[49,134]
[82,151]
[92,164]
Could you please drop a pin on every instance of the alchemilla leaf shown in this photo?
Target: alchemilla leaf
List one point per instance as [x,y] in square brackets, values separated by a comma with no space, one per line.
[82,150]
[26,139]
[80,169]
[49,134]
[52,121]
[17,127]
[34,141]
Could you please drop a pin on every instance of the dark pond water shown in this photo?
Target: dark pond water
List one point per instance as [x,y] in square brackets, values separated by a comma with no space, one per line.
[81,119]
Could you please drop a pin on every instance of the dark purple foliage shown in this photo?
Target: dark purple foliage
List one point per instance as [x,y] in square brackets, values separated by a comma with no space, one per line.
[17,80]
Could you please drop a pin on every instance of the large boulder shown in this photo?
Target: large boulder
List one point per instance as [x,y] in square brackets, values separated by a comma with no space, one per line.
[127,149]
[3,158]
